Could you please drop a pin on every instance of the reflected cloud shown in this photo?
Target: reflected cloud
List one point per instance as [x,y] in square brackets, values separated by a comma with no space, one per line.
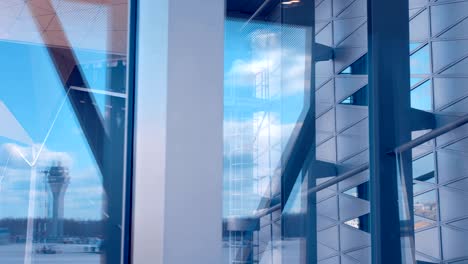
[19,157]
[288,80]
[265,83]
[267,54]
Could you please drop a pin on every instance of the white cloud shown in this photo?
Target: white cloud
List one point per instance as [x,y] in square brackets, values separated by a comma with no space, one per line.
[15,156]
[284,64]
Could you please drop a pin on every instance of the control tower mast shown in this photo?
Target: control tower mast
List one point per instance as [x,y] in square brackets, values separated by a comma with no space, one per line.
[58,179]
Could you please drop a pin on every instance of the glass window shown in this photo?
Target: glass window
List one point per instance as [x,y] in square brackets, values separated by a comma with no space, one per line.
[357,67]
[63,109]
[269,77]
[421,97]
[425,205]
[414,46]
[415,80]
[361,223]
[360,97]
[420,61]
[361,191]
[266,98]
[423,168]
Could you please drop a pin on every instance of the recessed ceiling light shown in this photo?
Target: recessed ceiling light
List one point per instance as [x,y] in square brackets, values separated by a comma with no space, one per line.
[290,2]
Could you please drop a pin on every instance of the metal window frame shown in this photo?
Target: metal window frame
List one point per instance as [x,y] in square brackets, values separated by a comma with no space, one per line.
[129,146]
[63,59]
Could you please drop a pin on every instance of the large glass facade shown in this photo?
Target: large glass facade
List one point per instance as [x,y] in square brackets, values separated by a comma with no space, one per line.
[294,104]
[438,31]
[63,111]
[267,67]
[344,135]
[337,203]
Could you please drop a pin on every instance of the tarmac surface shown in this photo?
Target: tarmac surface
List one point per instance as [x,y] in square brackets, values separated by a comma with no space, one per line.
[70,254]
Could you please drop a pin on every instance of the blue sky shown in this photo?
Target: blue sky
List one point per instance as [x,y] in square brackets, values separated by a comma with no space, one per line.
[33,93]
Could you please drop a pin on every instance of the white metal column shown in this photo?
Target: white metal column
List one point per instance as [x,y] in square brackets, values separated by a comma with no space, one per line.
[177,211]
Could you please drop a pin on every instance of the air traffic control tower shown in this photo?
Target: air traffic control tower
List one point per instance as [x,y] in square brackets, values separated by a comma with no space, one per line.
[58,179]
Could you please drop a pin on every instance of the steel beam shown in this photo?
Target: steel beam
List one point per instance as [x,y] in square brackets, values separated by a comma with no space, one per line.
[389,108]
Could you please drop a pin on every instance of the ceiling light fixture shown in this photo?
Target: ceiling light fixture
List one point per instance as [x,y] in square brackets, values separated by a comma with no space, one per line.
[290,2]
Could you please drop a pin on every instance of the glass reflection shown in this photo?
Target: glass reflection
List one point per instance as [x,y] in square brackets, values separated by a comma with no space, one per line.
[265,88]
[425,205]
[63,112]
[423,168]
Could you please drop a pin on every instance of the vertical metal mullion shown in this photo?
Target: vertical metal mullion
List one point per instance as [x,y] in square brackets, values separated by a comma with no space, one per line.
[389,107]
[311,219]
[129,146]
[434,145]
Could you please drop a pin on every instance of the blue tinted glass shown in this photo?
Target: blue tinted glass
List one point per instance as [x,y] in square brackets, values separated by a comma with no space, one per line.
[413,46]
[420,61]
[269,76]
[425,205]
[421,97]
[63,109]
[347,101]
[423,168]
[357,98]
[265,91]
[346,71]
[264,99]
[295,204]
[414,81]
[357,67]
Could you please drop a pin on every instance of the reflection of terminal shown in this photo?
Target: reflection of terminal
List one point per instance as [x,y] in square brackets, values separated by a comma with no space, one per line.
[58,179]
